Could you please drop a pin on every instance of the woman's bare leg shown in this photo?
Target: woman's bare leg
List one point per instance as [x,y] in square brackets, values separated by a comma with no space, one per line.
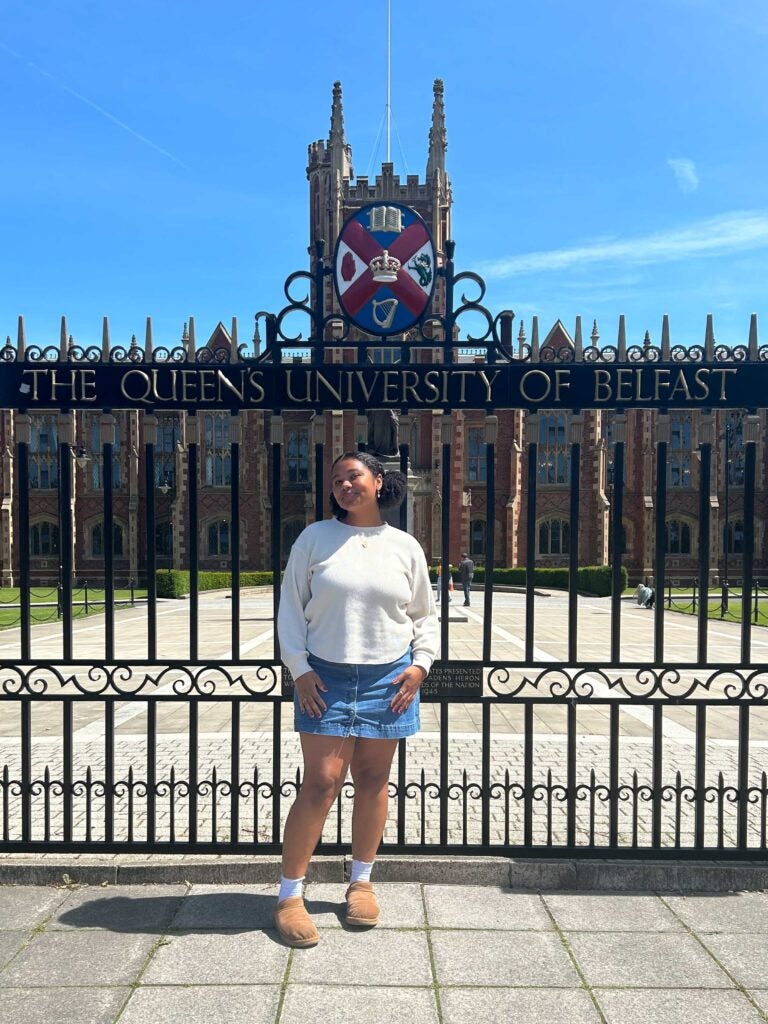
[370,766]
[326,760]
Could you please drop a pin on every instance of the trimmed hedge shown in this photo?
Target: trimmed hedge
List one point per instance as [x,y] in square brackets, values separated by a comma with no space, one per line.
[175,582]
[592,579]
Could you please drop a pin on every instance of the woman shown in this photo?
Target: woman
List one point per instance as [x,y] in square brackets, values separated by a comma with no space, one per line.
[358,633]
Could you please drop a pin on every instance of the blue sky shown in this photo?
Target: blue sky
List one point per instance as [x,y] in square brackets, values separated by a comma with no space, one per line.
[606,157]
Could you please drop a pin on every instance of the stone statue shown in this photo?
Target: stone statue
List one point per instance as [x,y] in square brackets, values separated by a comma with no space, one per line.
[382,432]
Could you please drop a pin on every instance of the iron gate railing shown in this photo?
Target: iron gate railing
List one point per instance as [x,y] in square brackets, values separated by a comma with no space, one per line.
[76,775]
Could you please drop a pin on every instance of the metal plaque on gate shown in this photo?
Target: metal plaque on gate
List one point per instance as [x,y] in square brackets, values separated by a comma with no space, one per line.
[454,681]
[442,681]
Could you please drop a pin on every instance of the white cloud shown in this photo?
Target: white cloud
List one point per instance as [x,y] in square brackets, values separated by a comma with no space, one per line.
[729,233]
[685,173]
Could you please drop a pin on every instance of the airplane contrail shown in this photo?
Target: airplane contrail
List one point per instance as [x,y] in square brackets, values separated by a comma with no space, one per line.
[95,106]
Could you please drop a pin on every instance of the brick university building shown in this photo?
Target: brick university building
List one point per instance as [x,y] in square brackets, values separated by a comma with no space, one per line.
[333,193]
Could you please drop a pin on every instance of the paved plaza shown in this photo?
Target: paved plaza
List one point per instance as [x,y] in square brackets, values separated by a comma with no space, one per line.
[422,764]
[206,954]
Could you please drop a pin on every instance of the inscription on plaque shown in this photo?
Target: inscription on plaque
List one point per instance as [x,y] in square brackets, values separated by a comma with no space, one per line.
[442,681]
[286,682]
[454,681]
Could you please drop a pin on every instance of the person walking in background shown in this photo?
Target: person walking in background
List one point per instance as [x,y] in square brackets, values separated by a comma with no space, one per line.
[358,632]
[466,572]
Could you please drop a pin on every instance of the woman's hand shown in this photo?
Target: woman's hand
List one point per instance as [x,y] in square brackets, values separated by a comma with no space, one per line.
[409,682]
[308,688]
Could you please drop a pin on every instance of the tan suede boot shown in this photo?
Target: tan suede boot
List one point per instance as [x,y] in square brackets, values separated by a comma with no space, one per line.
[294,925]
[362,905]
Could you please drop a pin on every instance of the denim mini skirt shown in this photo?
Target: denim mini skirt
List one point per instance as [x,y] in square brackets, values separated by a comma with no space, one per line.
[357,701]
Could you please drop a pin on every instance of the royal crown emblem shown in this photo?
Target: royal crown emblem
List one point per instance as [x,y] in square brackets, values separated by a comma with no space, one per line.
[384,267]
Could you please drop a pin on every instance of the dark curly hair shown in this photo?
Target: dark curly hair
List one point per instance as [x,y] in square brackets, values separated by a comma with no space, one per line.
[393,486]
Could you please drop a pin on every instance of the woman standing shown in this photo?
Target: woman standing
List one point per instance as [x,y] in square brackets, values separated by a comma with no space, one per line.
[358,633]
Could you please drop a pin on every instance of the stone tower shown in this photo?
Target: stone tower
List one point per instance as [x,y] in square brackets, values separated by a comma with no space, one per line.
[332,196]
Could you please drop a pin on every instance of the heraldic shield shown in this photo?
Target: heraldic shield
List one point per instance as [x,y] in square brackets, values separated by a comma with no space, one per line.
[384,268]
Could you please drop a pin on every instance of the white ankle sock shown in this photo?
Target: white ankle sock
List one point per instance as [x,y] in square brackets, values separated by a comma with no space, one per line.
[361,871]
[290,887]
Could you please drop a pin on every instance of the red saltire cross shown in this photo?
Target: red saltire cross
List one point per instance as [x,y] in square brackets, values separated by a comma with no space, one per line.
[364,245]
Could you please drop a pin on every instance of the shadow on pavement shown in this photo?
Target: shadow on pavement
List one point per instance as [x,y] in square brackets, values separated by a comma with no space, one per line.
[204,913]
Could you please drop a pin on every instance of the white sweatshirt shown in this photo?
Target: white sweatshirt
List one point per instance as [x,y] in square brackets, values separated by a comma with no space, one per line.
[356,595]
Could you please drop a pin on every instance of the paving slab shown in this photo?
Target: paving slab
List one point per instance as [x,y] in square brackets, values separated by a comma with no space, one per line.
[356,1004]
[25,906]
[11,943]
[235,958]
[502,958]
[79,958]
[120,908]
[401,905]
[48,1005]
[723,912]
[760,995]
[486,907]
[676,1006]
[744,956]
[517,1006]
[645,960]
[226,907]
[610,912]
[379,956]
[220,1004]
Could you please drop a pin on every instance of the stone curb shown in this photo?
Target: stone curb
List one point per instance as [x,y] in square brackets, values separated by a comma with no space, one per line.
[532,874]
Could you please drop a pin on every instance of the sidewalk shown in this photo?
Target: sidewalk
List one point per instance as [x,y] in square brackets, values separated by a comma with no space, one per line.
[188,954]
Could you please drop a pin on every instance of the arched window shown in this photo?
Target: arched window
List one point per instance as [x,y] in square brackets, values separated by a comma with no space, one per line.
[297,455]
[554,537]
[97,540]
[167,440]
[733,447]
[678,537]
[44,539]
[679,451]
[218,463]
[476,465]
[554,457]
[733,537]
[97,463]
[477,536]
[44,452]
[218,537]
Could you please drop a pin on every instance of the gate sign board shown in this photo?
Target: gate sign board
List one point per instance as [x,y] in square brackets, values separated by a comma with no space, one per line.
[31,386]
[384,268]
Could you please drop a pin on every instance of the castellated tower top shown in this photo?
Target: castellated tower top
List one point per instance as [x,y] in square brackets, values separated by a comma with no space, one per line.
[334,192]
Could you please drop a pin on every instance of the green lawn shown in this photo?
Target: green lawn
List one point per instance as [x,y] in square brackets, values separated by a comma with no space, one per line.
[44,603]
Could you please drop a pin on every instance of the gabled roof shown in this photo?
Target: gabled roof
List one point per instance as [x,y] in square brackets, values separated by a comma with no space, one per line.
[558,337]
[220,338]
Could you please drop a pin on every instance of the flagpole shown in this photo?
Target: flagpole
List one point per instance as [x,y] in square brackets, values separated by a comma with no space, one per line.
[389,76]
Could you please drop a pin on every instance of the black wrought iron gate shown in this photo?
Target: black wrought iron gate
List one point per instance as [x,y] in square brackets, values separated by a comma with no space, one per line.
[109,743]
